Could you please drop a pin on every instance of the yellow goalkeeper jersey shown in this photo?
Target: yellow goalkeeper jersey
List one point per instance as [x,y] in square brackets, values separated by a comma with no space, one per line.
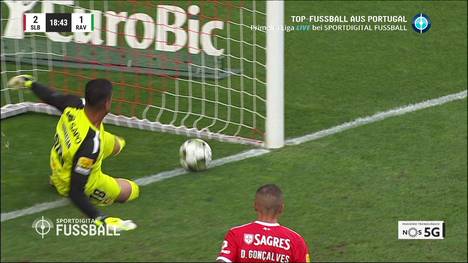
[79,147]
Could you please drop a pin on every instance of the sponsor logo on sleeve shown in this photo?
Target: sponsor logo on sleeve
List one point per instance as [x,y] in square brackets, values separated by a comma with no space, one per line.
[84,165]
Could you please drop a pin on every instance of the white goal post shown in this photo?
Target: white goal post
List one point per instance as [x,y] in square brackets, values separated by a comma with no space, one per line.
[274,131]
[212,70]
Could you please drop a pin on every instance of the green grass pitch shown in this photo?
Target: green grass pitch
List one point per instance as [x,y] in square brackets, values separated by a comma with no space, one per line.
[344,193]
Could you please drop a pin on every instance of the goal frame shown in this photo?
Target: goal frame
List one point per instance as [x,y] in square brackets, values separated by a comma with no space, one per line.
[274,121]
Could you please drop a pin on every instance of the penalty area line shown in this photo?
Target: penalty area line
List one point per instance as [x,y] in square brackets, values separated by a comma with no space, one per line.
[257,152]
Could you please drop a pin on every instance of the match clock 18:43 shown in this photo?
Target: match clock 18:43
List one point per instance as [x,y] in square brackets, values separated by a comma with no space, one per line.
[58,22]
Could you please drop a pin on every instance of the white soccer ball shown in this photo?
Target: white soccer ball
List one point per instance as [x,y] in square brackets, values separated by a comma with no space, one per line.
[195,155]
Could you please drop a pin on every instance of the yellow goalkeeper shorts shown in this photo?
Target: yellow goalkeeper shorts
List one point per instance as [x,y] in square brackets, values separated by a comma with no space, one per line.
[105,191]
[102,189]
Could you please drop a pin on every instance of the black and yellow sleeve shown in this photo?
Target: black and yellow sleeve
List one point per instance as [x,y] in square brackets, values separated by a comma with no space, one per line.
[56,99]
[83,162]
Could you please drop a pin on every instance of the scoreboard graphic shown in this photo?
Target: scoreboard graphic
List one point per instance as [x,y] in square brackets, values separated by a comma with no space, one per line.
[58,22]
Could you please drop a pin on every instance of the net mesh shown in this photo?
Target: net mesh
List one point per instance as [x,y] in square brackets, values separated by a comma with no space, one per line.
[200,94]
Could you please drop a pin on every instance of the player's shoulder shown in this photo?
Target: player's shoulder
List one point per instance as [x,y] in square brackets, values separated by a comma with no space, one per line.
[241,228]
[291,232]
[91,144]
[77,103]
[72,113]
[73,103]
[76,120]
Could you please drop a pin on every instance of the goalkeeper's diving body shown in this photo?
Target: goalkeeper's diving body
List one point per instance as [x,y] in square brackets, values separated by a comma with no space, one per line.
[81,144]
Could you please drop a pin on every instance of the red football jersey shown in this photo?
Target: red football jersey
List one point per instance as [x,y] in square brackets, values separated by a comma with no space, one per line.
[263,242]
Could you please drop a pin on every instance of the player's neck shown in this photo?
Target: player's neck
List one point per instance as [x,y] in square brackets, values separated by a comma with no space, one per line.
[94,117]
[267,219]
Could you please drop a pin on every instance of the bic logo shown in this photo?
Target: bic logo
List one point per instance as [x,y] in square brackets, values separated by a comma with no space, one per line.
[421,23]
[421,230]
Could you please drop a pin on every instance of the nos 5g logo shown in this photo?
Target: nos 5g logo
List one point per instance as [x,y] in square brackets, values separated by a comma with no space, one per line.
[421,229]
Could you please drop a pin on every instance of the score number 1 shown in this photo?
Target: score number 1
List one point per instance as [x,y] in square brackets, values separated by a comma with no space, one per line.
[82,22]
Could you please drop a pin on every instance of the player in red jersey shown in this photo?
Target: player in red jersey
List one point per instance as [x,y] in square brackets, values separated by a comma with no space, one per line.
[264,240]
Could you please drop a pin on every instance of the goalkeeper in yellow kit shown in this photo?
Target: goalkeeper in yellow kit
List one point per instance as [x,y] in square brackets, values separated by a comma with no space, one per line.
[81,143]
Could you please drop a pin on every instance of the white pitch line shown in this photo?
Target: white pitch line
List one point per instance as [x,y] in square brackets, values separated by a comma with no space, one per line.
[377,117]
[257,152]
[140,181]
[179,171]
[34,209]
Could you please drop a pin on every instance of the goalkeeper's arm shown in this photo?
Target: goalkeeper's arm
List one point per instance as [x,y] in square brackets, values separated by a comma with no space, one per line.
[54,98]
[49,96]
[81,169]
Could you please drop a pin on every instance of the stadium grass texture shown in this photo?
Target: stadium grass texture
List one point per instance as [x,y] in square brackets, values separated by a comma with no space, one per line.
[344,193]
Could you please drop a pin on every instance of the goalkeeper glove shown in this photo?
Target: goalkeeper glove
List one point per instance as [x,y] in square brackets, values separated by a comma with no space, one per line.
[115,224]
[21,81]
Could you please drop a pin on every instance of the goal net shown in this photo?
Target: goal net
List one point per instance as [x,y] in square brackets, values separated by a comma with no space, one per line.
[189,67]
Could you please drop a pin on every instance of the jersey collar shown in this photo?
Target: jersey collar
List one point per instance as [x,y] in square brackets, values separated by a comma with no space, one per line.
[266,224]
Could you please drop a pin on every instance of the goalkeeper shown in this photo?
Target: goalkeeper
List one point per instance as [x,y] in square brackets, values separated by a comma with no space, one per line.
[81,143]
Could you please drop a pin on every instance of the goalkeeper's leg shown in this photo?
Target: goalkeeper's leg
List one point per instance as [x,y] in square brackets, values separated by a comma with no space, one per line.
[129,190]
[109,190]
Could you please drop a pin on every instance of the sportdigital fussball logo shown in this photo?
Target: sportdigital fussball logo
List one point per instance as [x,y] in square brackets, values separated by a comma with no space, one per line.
[42,226]
[421,23]
[72,227]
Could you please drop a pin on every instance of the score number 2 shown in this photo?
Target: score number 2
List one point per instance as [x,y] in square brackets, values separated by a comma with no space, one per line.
[33,26]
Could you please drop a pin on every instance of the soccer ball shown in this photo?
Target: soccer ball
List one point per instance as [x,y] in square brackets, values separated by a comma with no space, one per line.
[195,155]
